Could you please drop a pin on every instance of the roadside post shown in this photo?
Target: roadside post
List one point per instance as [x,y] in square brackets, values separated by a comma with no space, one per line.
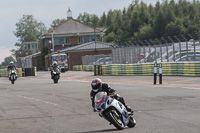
[155,73]
[95,70]
[160,73]
[99,69]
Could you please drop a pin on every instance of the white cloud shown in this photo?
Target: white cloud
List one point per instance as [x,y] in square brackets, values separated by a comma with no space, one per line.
[5,52]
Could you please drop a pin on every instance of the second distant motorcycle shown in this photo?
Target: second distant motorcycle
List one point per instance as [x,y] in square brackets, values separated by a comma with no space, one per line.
[55,72]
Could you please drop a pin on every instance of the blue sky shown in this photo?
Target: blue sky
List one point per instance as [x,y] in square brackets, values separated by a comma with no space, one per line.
[46,11]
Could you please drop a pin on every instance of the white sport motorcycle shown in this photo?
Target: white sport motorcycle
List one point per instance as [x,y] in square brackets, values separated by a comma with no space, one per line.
[113,111]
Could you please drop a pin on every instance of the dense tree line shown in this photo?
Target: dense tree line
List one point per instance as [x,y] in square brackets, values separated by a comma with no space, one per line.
[7,61]
[140,21]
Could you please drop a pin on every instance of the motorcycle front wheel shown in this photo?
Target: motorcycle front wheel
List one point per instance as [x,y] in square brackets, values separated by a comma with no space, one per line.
[55,79]
[132,122]
[117,122]
[12,79]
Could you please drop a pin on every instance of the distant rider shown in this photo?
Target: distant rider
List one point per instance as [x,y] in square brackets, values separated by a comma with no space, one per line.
[98,86]
[10,67]
[54,66]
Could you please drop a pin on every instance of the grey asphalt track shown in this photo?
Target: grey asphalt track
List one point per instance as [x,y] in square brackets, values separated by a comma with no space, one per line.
[37,105]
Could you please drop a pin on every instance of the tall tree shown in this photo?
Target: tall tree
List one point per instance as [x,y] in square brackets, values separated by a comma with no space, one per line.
[102,20]
[171,17]
[145,32]
[95,20]
[57,22]
[29,29]
[7,61]
[109,18]
[159,24]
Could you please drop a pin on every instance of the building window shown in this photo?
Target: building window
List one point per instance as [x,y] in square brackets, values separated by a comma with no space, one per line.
[27,47]
[67,40]
[59,41]
[80,39]
[93,38]
[46,42]
[86,39]
[34,46]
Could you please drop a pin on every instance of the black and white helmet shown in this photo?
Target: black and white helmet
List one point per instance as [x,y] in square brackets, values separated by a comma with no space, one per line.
[55,63]
[96,84]
[11,63]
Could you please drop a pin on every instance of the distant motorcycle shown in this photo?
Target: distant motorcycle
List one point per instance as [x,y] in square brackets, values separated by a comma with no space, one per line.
[113,111]
[55,75]
[13,75]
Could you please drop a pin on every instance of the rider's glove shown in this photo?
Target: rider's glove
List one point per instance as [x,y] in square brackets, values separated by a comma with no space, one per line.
[113,94]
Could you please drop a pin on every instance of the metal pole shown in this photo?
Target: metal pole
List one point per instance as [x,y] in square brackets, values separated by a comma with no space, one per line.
[186,46]
[95,68]
[166,48]
[154,52]
[52,40]
[137,52]
[95,38]
[149,48]
[173,48]
[160,49]
[193,46]
[180,47]
[155,73]
[143,48]
[160,73]
[155,56]
[99,69]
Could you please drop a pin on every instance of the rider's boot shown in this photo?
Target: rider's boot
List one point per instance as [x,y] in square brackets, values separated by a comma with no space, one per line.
[129,109]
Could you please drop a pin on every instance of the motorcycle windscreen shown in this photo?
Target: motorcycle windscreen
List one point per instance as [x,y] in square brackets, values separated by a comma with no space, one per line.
[100,98]
[55,70]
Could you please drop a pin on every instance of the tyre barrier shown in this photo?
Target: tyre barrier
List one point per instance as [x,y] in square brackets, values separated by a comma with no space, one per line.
[77,68]
[20,72]
[4,72]
[168,69]
[30,71]
[88,67]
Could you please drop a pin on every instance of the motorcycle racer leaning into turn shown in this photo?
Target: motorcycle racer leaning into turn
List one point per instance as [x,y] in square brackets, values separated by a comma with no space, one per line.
[98,86]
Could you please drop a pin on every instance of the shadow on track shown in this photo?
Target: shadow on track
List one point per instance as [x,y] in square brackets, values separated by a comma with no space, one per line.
[99,131]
